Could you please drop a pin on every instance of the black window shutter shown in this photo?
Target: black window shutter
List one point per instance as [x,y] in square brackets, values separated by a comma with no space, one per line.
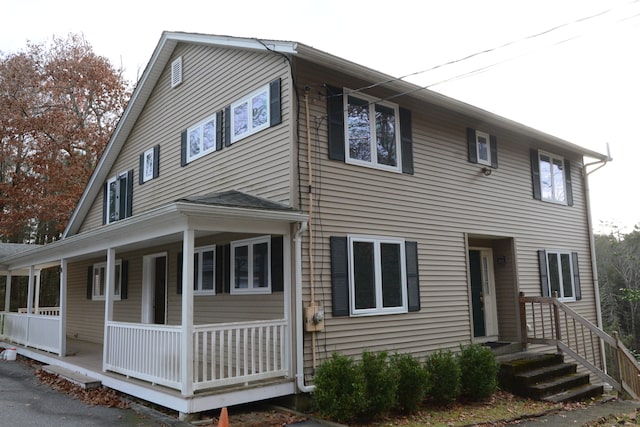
[183,148]
[219,268]
[156,161]
[576,275]
[471,145]
[339,276]
[277,264]
[406,141]
[535,174]
[90,282]
[413,280]
[104,203]
[124,279]
[129,208]
[179,274]
[494,151]
[219,130]
[275,105]
[227,266]
[544,274]
[141,174]
[227,126]
[567,178]
[335,111]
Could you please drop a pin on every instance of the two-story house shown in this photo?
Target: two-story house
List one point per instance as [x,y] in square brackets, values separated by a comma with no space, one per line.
[262,204]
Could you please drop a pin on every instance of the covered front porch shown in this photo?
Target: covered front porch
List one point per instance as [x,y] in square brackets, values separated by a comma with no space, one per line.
[211,346]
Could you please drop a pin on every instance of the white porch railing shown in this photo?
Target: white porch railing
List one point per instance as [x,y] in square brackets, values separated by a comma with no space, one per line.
[148,352]
[43,311]
[236,353]
[32,330]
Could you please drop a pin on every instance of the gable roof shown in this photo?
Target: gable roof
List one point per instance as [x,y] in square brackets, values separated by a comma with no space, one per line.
[168,42]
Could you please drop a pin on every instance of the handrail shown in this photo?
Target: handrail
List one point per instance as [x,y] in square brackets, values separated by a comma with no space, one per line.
[550,321]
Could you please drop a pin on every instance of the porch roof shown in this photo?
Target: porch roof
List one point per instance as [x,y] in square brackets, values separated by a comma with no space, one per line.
[233,211]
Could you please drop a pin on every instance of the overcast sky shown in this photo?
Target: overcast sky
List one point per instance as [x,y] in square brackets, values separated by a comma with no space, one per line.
[570,68]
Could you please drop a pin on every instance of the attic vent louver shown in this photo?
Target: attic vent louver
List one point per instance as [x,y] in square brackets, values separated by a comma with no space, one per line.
[176,72]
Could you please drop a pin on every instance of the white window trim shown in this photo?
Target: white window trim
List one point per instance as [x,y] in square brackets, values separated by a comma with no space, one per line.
[147,174]
[379,309]
[200,128]
[250,243]
[99,265]
[552,157]
[374,148]
[176,72]
[558,254]
[198,252]
[487,138]
[116,179]
[248,99]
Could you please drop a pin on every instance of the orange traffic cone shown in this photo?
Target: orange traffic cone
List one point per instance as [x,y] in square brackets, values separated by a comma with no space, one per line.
[224,418]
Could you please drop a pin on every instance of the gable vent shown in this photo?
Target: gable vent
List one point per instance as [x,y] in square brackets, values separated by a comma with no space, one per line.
[176,72]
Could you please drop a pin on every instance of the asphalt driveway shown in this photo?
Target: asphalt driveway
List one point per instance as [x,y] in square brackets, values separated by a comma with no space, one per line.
[26,402]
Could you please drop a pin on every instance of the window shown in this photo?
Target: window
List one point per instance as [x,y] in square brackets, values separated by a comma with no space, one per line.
[176,72]
[250,114]
[482,148]
[369,132]
[551,177]
[118,197]
[560,274]
[149,164]
[99,278]
[250,268]
[202,138]
[204,261]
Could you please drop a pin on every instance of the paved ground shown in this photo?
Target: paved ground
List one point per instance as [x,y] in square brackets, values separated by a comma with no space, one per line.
[25,402]
[581,416]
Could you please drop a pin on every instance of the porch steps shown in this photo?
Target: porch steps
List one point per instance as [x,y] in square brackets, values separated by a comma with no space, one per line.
[546,377]
[82,380]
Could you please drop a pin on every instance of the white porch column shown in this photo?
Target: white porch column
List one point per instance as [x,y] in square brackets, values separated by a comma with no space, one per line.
[62,345]
[32,272]
[186,358]
[7,293]
[36,308]
[110,284]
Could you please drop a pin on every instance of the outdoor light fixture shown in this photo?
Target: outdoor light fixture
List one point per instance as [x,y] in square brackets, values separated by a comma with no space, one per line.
[486,171]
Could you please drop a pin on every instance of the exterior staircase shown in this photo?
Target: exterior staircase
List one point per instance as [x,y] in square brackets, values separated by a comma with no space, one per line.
[545,377]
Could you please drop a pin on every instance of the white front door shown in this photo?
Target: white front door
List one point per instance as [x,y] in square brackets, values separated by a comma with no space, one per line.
[483,294]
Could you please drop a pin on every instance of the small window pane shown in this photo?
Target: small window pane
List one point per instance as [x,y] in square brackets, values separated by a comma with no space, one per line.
[554,274]
[359,129]
[207,271]
[98,282]
[241,267]
[117,281]
[364,275]
[546,185]
[483,148]
[194,142]
[261,265]
[241,119]
[259,105]
[567,287]
[386,135]
[196,274]
[558,180]
[209,135]
[391,275]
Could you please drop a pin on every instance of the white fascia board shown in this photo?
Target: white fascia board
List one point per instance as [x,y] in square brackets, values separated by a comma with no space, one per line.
[233,42]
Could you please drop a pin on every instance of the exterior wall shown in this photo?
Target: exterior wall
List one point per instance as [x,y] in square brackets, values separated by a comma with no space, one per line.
[445,200]
[213,78]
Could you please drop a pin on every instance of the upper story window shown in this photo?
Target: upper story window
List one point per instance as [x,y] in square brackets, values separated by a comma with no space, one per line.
[551,178]
[118,197]
[202,138]
[250,114]
[99,278]
[251,261]
[560,274]
[482,148]
[204,264]
[369,132]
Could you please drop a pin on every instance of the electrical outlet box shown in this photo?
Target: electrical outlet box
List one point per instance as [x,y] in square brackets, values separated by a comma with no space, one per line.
[313,318]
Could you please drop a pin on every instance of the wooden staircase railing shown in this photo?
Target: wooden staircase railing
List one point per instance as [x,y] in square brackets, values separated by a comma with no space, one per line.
[546,320]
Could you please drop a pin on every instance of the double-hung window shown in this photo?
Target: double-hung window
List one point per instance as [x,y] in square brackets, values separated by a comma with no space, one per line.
[204,264]
[202,138]
[250,266]
[377,275]
[118,197]
[559,274]
[372,132]
[250,114]
[551,175]
[99,278]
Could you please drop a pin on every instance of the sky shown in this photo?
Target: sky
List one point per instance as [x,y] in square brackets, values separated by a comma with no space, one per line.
[570,68]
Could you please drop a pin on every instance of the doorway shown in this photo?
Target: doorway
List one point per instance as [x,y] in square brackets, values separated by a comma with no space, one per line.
[154,289]
[483,295]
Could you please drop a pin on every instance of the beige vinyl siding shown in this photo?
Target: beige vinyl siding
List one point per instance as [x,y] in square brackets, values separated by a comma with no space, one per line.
[213,78]
[445,200]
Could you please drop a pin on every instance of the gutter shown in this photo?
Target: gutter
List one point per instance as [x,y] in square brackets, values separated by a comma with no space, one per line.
[297,241]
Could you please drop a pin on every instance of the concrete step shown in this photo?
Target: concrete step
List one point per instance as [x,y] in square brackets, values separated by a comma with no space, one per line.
[557,385]
[541,374]
[583,392]
[82,380]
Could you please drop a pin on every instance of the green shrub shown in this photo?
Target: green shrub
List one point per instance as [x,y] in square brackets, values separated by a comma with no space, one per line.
[339,388]
[444,376]
[380,384]
[412,382]
[479,371]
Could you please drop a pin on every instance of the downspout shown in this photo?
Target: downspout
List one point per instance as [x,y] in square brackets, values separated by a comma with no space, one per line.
[297,241]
